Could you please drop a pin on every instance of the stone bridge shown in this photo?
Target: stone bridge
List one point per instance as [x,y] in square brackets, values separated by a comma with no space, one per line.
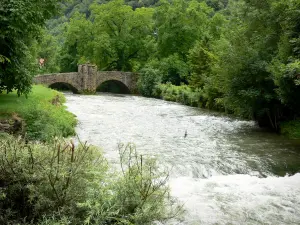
[88,79]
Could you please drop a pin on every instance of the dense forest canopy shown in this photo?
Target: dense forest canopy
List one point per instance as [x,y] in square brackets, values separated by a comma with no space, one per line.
[238,56]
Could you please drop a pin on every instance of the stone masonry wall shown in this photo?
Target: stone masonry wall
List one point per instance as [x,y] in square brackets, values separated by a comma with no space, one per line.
[87,79]
[69,78]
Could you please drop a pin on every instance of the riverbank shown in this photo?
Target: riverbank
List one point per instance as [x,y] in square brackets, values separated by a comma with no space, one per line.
[185,95]
[40,116]
[55,182]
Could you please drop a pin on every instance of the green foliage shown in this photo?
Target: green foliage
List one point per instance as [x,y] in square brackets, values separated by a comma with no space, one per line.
[141,3]
[182,94]
[46,180]
[247,87]
[256,68]
[21,21]
[44,121]
[113,37]
[3,59]
[238,56]
[173,70]
[291,129]
[69,8]
[139,195]
[201,60]
[144,198]
[77,39]
[42,111]
[179,25]
[217,4]
[286,78]
[49,50]
[68,59]
[58,183]
[148,79]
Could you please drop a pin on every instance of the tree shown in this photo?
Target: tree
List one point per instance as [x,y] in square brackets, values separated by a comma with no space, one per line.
[77,45]
[179,24]
[258,62]
[285,66]
[125,34]
[217,4]
[244,53]
[48,49]
[200,59]
[184,30]
[115,37]
[20,22]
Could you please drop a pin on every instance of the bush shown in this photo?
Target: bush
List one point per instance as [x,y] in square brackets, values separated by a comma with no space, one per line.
[199,97]
[58,183]
[45,121]
[148,78]
[182,94]
[173,69]
[291,129]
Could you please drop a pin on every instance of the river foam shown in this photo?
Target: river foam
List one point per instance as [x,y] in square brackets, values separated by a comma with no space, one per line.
[239,199]
[224,171]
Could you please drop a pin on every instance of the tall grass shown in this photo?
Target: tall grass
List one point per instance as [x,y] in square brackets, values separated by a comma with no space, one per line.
[43,112]
[58,183]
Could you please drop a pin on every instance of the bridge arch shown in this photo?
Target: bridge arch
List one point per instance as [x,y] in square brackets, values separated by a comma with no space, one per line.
[113,86]
[62,86]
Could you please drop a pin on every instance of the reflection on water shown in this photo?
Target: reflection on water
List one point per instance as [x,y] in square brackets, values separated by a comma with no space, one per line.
[224,170]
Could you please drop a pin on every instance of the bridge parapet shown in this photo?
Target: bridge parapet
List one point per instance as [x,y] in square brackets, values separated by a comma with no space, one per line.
[87,79]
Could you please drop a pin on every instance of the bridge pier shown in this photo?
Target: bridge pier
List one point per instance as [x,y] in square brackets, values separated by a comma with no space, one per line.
[88,74]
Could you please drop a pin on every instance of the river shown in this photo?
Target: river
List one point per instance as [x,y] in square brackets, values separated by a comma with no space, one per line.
[224,170]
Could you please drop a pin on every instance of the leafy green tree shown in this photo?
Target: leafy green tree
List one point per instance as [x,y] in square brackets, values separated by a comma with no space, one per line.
[116,37]
[48,50]
[141,3]
[78,42]
[174,70]
[20,22]
[182,26]
[179,25]
[217,4]
[201,60]
[285,66]
[246,84]
[123,34]
[149,77]
[257,60]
